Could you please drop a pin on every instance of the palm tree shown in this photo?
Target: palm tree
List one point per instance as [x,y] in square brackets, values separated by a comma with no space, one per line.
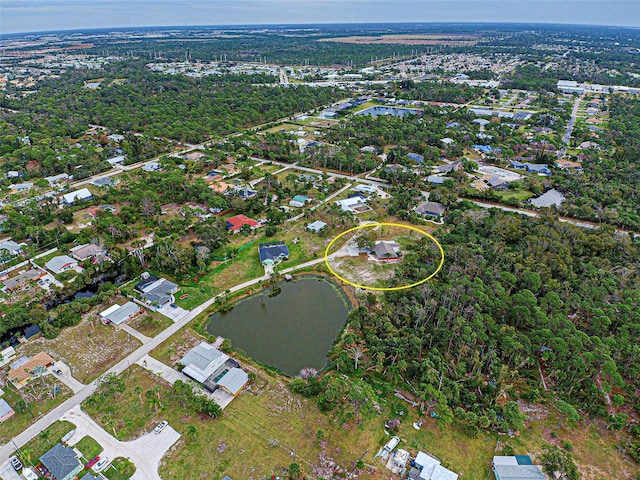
[191,430]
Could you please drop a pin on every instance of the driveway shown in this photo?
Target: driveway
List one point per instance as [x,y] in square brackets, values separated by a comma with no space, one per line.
[66,377]
[8,473]
[145,452]
[169,374]
[174,314]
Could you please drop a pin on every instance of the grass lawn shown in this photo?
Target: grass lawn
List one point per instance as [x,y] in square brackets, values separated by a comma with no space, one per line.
[89,447]
[90,348]
[120,469]
[39,396]
[38,446]
[519,194]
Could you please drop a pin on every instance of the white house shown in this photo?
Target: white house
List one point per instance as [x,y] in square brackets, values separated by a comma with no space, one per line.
[71,197]
[61,263]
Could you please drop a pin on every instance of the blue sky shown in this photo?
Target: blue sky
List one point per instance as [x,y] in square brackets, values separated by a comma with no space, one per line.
[40,15]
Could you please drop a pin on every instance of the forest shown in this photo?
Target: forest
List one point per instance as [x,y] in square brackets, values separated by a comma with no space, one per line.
[529,309]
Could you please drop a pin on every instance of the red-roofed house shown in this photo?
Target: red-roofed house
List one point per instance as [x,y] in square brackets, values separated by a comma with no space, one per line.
[236,222]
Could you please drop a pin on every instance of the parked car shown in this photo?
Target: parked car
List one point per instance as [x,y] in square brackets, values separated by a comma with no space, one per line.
[173,305]
[160,426]
[100,464]
[57,371]
[92,462]
[16,463]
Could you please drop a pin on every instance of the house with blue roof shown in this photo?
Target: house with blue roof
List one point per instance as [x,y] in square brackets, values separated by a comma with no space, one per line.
[299,201]
[415,157]
[483,148]
[273,253]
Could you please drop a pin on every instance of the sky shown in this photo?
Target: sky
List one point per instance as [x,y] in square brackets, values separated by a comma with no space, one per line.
[18,16]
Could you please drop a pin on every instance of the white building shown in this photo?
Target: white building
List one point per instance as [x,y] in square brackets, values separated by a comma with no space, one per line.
[71,197]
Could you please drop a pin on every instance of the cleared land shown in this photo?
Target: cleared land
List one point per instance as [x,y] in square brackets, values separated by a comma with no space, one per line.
[90,348]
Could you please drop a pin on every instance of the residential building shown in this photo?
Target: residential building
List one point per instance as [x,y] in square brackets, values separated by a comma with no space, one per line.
[518,467]
[386,250]
[86,252]
[415,157]
[61,263]
[430,209]
[234,381]
[152,167]
[71,197]
[57,180]
[436,179]
[105,182]
[299,201]
[156,291]
[236,222]
[119,160]
[548,198]
[366,189]
[354,204]
[21,187]
[273,253]
[316,226]
[61,462]
[10,246]
[6,355]
[431,469]
[214,369]
[23,369]
[118,314]
[6,412]
[31,275]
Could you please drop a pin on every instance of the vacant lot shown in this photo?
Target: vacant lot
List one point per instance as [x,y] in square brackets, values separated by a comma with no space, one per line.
[90,348]
[149,323]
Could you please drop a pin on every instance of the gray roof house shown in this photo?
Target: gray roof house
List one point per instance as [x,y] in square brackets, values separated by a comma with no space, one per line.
[517,467]
[430,209]
[61,263]
[233,381]
[117,314]
[431,469]
[316,226]
[86,251]
[71,197]
[61,462]
[6,411]
[158,291]
[386,250]
[13,247]
[202,361]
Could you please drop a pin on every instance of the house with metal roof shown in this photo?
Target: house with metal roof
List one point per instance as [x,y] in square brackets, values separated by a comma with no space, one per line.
[72,197]
[61,462]
[234,381]
[61,263]
[6,412]
[272,253]
[117,314]
[202,361]
[516,467]
[299,201]
[56,180]
[316,226]
[431,469]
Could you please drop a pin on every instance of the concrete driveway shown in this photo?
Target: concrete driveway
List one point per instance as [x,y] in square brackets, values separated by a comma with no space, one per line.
[8,473]
[174,314]
[66,377]
[145,452]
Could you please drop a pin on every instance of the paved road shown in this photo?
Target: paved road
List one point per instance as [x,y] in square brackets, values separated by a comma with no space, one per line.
[134,357]
[145,452]
[574,113]
[533,213]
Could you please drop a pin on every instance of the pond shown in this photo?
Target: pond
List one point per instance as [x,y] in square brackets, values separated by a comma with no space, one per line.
[394,111]
[290,331]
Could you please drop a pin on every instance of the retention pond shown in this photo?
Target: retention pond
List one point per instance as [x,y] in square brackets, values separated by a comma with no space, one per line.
[292,330]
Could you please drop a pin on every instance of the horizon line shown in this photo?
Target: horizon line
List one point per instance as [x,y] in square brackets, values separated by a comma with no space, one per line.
[279,24]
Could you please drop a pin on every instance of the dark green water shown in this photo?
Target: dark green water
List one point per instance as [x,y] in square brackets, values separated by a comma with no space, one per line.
[292,330]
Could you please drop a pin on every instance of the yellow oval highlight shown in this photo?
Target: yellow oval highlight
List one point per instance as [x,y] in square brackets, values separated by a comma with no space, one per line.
[365,287]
